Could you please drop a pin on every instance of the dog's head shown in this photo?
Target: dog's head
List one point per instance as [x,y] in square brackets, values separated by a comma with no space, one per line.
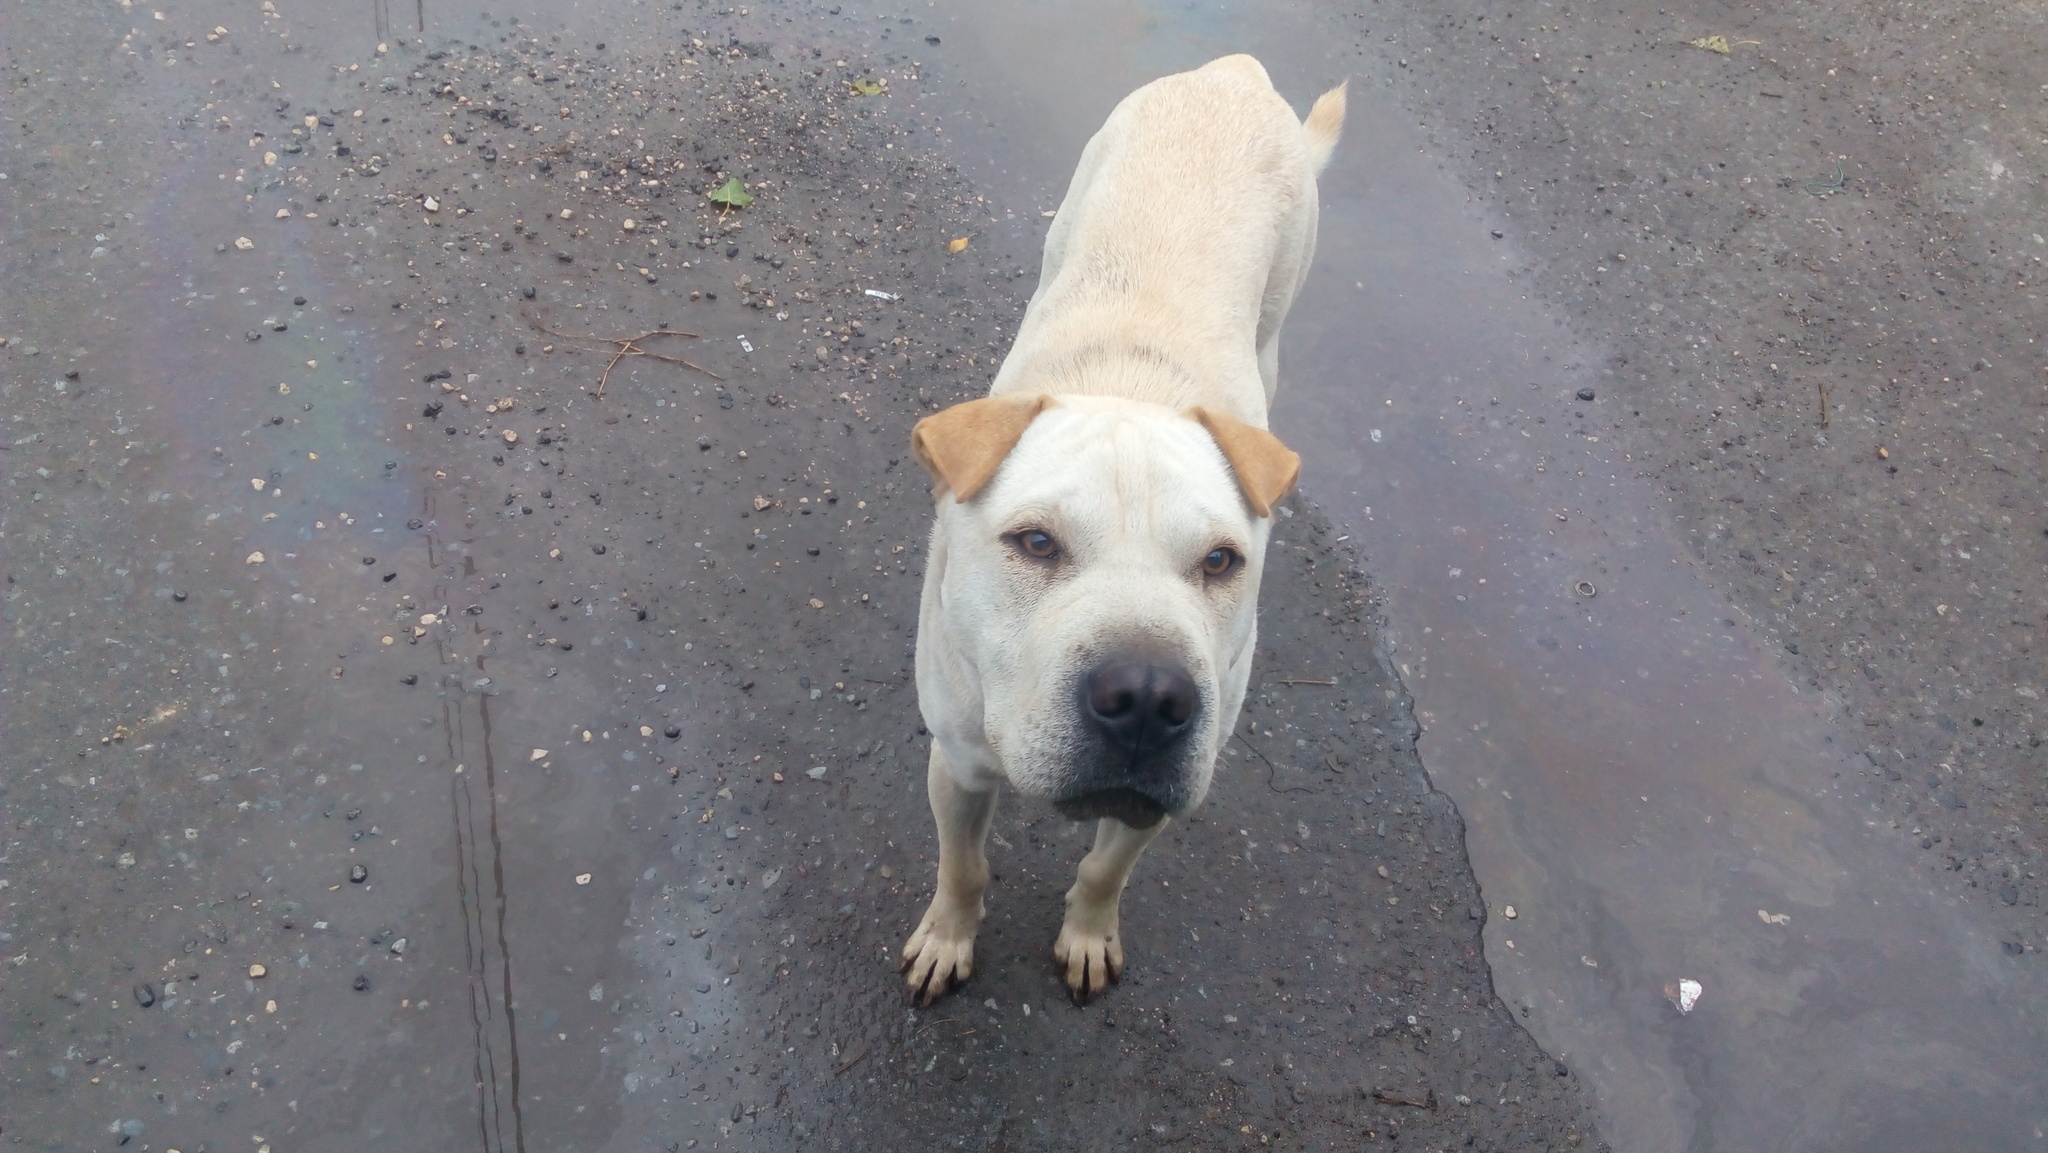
[1095,588]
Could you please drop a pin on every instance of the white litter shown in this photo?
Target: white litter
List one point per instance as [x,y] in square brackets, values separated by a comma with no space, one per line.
[878,294]
[745,345]
[1685,994]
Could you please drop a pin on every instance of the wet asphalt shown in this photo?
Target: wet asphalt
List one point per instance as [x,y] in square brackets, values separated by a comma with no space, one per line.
[411,746]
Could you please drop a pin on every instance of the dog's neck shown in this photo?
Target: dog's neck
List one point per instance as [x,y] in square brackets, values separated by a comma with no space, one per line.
[1126,370]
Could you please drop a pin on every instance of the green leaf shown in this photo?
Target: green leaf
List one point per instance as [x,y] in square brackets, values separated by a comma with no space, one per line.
[866,87]
[732,194]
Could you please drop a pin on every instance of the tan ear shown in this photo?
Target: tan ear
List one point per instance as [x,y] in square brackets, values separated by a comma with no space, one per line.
[962,446]
[1265,468]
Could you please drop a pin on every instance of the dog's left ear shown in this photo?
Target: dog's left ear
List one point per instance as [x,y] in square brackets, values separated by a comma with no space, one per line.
[1265,468]
[962,446]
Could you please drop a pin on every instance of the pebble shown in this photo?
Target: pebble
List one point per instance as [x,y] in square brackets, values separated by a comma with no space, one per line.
[258,971]
[244,243]
[398,947]
[361,984]
[583,878]
[1586,394]
[513,438]
[145,994]
[1509,912]
[357,874]
[815,772]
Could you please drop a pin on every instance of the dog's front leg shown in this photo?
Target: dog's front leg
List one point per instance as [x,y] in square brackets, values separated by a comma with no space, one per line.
[940,955]
[1088,945]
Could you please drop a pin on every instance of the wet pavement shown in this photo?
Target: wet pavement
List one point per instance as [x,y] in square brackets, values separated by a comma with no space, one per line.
[411,746]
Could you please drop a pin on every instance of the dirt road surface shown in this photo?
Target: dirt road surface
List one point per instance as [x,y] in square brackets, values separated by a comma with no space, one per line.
[461,581]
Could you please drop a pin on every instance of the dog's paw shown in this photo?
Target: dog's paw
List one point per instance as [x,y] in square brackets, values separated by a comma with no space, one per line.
[1092,959]
[939,957]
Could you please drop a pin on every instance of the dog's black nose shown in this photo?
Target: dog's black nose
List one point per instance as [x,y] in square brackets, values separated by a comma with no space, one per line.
[1141,706]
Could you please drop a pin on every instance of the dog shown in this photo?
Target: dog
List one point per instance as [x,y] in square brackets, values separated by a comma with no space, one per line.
[1090,601]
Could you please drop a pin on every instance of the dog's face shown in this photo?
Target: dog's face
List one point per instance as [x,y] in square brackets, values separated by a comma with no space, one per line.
[1099,595]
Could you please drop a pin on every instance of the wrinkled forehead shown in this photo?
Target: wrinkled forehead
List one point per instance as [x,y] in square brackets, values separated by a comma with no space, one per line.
[1155,471]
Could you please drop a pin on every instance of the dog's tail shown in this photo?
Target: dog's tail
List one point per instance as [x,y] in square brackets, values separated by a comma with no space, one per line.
[1324,125]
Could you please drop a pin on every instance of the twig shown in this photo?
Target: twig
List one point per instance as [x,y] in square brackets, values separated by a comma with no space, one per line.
[1305,681]
[1823,403]
[856,1059]
[1827,186]
[624,347]
[1271,769]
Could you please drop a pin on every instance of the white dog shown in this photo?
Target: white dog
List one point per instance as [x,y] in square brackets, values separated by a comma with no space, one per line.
[1090,603]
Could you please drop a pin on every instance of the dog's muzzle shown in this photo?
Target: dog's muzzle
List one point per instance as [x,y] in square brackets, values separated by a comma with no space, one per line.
[1139,714]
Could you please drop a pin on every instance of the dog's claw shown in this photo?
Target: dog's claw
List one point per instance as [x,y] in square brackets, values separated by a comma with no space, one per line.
[1092,962]
[937,959]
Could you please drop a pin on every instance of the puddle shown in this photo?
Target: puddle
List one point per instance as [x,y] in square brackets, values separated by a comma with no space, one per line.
[1659,803]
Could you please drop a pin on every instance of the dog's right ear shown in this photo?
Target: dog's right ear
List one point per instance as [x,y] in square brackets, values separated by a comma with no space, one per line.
[962,446]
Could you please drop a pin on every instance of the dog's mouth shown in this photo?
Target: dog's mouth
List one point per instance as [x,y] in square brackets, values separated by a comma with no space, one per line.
[1130,806]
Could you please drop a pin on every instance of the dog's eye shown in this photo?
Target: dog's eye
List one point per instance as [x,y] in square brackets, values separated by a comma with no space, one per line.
[1037,544]
[1219,561]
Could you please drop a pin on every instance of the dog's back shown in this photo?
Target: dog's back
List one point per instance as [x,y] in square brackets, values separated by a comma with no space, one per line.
[1184,236]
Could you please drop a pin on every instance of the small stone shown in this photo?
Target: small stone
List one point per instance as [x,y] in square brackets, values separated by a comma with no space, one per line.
[409,679]
[630,225]
[1509,912]
[1585,394]
[253,558]
[179,595]
[527,292]
[361,984]
[244,243]
[583,878]
[398,947]
[672,732]
[145,994]
[430,204]
[258,971]
[511,438]
[538,755]
[815,772]
[567,214]
[357,874]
